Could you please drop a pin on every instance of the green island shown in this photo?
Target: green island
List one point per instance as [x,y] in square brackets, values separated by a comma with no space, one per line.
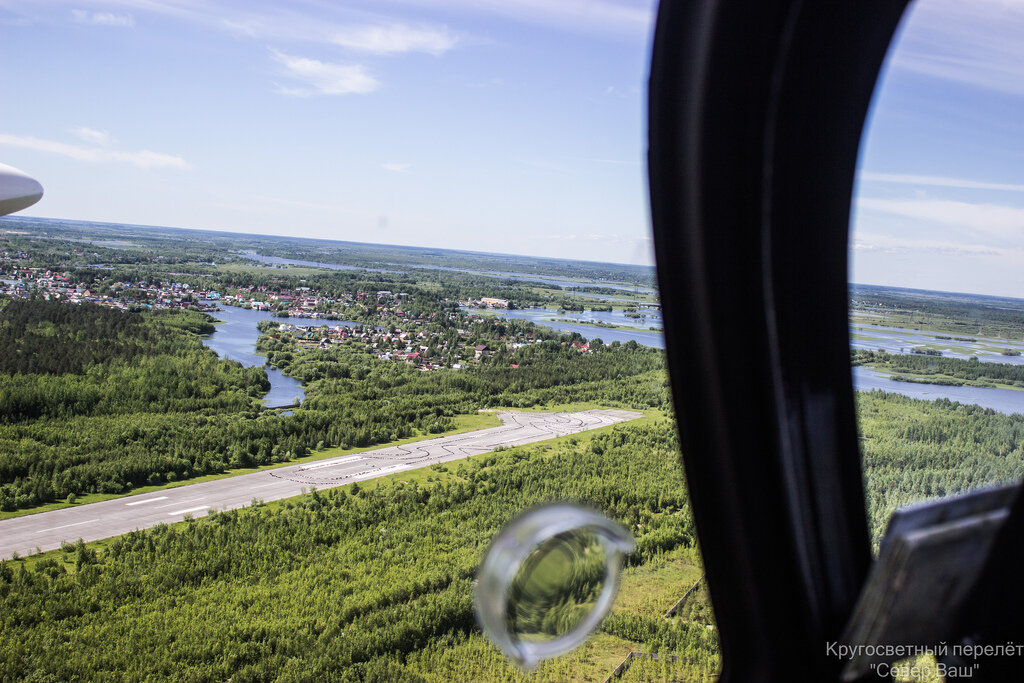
[600,324]
[936,369]
[108,389]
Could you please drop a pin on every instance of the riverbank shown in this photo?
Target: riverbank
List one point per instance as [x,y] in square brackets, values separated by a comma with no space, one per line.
[1001,400]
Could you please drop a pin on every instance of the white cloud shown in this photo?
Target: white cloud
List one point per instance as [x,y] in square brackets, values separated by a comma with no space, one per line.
[396,167]
[357,25]
[991,219]
[885,244]
[938,181]
[96,137]
[609,17]
[395,38]
[320,22]
[142,158]
[977,43]
[323,78]
[82,16]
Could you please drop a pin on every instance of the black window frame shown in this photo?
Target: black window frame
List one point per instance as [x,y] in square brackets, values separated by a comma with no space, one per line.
[756,111]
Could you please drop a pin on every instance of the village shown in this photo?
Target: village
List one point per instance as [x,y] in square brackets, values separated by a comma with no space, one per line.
[382,322]
[451,339]
[23,282]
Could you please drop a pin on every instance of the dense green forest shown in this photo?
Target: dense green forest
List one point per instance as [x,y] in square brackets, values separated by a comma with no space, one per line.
[67,361]
[94,399]
[913,450]
[374,582]
[172,410]
[360,583]
[51,338]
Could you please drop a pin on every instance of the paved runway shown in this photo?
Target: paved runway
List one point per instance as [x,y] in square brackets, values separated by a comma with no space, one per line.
[46,530]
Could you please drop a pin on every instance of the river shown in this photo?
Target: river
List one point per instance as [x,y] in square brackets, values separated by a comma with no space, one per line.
[899,340]
[1002,400]
[235,339]
[864,379]
[542,316]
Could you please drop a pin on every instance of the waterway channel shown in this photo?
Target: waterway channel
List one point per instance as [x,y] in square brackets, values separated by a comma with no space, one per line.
[864,378]
[235,339]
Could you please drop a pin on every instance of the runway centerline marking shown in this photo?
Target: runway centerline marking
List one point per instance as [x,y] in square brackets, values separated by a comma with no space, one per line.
[182,512]
[65,526]
[178,502]
[148,500]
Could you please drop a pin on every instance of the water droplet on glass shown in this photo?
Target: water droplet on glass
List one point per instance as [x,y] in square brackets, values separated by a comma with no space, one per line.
[548,580]
[557,586]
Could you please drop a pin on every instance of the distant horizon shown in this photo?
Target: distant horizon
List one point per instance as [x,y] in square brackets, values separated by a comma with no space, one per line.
[646,267]
[514,127]
[652,268]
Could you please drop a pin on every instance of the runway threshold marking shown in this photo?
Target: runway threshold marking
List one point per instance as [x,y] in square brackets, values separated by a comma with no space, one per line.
[65,526]
[148,500]
[182,512]
[369,474]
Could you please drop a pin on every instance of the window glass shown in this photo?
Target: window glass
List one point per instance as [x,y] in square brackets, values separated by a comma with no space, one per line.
[936,307]
[376,277]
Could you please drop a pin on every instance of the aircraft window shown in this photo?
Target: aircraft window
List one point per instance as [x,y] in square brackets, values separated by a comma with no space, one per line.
[501,147]
[936,314]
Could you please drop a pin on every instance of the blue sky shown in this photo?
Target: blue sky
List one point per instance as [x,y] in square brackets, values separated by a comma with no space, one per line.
[512,126]
[940,196]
